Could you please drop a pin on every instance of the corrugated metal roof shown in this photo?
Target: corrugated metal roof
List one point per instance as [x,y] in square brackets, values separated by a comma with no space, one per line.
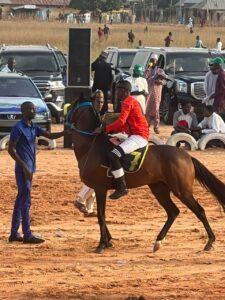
[36,2]
[211,5]
[193,1]
[188,3]
[3,2]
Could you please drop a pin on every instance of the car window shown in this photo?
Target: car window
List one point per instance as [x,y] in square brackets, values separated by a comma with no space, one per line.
[114,60]
[125,59]
[18,87]
[142,58]
[109,57]
[187,62]
[61,58]
[32,61]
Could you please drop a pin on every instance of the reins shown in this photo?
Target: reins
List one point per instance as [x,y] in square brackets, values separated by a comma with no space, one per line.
[70,114]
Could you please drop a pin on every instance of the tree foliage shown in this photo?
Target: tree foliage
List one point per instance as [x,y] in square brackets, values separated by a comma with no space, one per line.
[91,5]
[166,3]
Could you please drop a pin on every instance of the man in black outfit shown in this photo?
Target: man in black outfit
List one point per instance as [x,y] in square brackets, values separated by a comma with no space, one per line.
[102,78]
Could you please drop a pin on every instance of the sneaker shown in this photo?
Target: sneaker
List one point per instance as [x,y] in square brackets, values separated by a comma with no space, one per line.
[80,206]
[15,238]
[33,240]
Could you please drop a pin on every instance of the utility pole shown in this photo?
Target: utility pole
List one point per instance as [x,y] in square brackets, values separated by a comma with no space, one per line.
[144,11]
[207,9]
[171,4]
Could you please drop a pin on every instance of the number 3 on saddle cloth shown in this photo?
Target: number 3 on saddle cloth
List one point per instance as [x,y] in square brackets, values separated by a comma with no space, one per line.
[130,162]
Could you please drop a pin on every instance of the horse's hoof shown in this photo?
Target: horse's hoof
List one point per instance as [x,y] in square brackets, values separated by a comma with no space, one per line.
[99,250]
[157,246]
[109,245]
[208,247]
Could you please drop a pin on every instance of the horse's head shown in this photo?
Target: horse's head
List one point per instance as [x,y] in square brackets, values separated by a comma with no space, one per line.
[83,118]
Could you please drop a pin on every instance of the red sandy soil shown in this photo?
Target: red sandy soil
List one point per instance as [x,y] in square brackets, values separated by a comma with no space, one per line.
[66,267]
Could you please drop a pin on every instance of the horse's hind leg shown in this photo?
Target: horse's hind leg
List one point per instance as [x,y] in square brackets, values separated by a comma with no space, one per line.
[162,194]
[199,211]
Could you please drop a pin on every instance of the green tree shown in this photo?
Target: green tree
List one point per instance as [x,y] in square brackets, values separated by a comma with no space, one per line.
[164,3]
[104,5]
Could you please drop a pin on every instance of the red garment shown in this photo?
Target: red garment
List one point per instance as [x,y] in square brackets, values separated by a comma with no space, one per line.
[100,33]
[219,96]
[131,120]
[183,123]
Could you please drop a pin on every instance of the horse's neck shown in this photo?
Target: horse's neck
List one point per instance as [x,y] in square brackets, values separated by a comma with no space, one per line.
[82,142]
[82,145]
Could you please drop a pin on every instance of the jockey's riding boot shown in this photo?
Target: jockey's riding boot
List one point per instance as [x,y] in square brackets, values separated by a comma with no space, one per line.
[121,189]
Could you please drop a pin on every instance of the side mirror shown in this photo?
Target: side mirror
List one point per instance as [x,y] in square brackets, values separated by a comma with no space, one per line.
[48,97]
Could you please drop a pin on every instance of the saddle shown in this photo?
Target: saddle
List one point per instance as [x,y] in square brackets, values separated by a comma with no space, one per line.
[130,162]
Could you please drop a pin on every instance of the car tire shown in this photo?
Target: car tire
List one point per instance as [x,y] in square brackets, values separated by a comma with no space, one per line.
[182,137]
[202,143]
[51,144]
[4,142]
[168,109]
[154,140]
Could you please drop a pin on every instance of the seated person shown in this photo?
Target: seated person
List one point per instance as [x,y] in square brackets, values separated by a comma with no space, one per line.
[133,122]
[212,122]
[184,120]
[86,197]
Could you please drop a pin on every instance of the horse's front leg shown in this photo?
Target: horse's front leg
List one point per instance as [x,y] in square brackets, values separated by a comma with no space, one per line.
[105,235]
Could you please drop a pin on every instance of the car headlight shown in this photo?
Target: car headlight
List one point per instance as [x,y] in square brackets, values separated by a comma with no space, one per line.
[181,86]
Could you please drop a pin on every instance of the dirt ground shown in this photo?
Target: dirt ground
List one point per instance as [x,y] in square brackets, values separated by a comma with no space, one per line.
[66,267]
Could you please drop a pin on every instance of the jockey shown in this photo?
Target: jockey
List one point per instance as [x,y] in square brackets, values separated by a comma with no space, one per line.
[131,121]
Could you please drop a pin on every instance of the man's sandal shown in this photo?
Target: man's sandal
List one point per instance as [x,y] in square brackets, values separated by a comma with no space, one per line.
[81,207]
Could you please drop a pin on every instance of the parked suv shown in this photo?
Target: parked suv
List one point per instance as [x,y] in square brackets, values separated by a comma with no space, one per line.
[120,59]
[14,90]
[186,69]
[44,64]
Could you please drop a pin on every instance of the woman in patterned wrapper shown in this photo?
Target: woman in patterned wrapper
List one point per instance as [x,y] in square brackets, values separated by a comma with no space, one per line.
[154,76]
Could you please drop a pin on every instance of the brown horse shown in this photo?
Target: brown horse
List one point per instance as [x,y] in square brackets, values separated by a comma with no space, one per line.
[166,169]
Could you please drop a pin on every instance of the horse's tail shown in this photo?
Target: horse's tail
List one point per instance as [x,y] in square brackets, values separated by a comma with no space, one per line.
[209,181]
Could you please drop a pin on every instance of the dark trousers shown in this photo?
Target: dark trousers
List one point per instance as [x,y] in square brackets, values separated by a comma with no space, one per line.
[105,105]
[22,206]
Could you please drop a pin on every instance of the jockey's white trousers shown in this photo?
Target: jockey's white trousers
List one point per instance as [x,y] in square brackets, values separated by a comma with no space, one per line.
[133,143]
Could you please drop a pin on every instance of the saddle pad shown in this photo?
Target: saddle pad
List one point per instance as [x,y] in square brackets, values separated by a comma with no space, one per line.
[132,162]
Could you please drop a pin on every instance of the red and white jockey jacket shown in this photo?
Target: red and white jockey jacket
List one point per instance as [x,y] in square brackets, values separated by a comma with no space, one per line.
[131,120]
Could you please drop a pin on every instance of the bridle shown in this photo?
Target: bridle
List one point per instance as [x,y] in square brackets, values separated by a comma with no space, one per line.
[71,113]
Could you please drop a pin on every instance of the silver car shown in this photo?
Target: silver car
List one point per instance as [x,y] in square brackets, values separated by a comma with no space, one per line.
[14,90]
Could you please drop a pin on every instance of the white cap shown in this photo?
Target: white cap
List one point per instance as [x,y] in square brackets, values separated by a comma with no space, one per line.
[154,56]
